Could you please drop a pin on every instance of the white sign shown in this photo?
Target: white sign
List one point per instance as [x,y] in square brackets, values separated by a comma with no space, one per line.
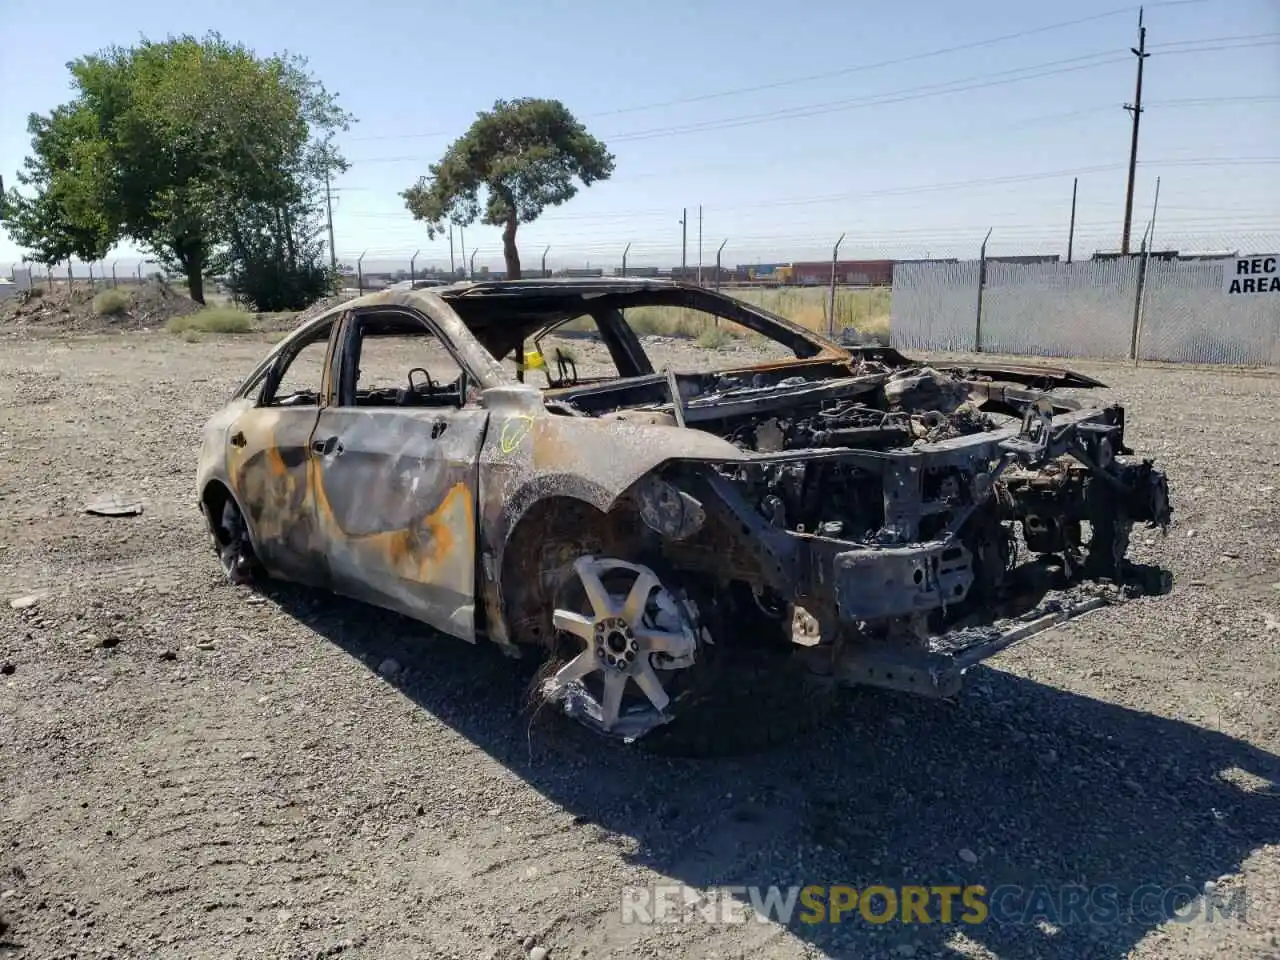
[1242,276]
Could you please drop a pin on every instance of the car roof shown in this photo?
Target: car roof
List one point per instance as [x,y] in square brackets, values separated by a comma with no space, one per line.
[502,313]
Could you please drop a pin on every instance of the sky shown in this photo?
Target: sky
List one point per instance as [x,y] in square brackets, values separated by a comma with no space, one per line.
[912,129]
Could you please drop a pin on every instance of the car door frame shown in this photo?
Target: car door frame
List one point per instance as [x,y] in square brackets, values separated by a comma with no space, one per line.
[396,488]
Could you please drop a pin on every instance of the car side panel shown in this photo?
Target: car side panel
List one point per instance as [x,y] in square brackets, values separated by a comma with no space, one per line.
[396,507]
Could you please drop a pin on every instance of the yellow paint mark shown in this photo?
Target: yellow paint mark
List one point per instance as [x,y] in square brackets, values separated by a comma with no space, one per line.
[514,431]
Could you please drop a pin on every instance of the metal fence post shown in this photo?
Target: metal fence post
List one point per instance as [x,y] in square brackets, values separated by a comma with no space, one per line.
[413,263]
[360,272]
[982,283]
[1138,297]
[831,299]
[719,250]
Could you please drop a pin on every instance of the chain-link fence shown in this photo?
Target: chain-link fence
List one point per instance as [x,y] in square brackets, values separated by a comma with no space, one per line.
[1175,310]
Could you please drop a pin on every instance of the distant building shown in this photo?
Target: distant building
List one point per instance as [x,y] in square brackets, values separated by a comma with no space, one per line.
[1027,258]
[1154,255]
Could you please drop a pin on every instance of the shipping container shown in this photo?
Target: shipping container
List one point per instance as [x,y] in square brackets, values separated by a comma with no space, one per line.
[859,273]
[763,271]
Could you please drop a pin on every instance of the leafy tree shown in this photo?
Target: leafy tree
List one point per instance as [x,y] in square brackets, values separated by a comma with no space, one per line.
[167,143]
[525,154]
[275,257]
[61,221]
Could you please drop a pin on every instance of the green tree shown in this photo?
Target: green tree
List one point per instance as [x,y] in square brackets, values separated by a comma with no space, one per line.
[525,154]
[168,143]
[61,220]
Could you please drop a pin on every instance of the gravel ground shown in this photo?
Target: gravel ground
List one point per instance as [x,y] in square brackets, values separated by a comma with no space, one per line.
[193,770]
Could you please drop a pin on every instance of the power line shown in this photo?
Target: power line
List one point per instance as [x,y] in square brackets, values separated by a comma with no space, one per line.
[944,88]
[655,213]
[847,71]
[977,82]
[859,68]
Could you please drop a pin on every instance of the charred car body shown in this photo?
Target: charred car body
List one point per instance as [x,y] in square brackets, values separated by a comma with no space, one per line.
[849,510]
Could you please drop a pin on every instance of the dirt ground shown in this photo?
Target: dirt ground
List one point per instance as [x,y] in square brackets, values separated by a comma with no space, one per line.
[192,770]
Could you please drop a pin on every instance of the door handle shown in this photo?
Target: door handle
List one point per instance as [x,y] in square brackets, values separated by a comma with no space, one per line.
[237,439]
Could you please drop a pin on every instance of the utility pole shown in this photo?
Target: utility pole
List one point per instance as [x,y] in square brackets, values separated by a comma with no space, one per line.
[684,241]
[625,251]
[328,204]
[1135,108]
[1071,233]
[413,275]
[699,244]
[462,241]
[453,269]
[473,262]
[544,261]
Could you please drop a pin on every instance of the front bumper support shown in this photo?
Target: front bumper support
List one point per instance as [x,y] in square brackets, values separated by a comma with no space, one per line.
[938,670]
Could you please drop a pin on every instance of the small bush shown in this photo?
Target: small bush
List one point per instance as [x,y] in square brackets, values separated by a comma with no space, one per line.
[714,337]
[110,303]
[212,320]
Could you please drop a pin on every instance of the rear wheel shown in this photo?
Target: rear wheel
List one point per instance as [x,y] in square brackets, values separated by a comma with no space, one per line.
[231,540]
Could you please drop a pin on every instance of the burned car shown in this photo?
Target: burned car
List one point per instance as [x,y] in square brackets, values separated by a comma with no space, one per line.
[838,513]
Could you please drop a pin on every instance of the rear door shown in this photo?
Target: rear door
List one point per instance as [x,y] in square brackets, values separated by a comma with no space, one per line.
[269,464]
[397,465]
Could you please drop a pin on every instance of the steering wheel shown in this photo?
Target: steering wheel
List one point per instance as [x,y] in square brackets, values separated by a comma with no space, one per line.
[431,385]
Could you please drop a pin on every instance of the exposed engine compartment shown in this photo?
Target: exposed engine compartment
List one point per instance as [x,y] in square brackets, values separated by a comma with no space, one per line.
[920,487]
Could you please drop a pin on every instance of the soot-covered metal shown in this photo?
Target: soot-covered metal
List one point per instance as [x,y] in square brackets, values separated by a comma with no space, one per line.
[642,527]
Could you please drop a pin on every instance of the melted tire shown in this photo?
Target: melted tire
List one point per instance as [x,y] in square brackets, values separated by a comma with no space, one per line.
[741,702]
[235,552]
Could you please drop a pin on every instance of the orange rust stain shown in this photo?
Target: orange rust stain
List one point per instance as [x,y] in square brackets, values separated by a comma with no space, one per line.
[421,552]
[275,462]
[315,496]
[553,446]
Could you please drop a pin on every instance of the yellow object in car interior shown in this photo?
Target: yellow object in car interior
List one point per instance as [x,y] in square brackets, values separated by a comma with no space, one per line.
[533,360]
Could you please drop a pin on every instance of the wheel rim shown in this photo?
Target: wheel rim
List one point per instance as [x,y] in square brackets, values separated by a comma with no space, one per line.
[628,637]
